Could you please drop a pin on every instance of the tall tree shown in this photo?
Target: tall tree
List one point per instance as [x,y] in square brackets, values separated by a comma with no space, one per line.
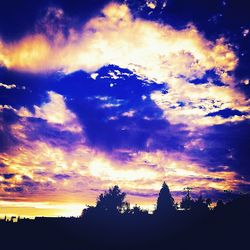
[165,201]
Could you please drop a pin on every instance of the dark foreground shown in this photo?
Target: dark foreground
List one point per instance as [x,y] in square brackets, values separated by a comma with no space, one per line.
[113,225]
[225,229]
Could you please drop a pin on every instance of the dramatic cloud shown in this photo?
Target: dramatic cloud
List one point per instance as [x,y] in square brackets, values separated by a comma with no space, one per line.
[119,100]
[37,170]
[38,173]
[158,53]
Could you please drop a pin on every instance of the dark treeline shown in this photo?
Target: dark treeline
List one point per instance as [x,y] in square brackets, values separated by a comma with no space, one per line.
[113,224]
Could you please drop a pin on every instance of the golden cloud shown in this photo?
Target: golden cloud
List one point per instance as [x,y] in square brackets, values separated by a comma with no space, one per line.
[157,51]
[72,175]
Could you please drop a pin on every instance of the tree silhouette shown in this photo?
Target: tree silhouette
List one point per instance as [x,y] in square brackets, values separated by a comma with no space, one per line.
[112,224]
[138,211]
[208,202]
[88,212]
[219,205]
[111,201]
[187,202]
[165,201]
[201,205]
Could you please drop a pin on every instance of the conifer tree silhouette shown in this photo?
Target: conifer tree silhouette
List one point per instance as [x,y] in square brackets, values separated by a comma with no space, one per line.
[165,201]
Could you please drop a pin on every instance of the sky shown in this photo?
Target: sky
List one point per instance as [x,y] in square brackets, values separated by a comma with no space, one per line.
[130,93]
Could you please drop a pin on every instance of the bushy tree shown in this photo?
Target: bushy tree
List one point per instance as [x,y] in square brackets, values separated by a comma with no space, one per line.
[111,201]
[88,212]
[165,201]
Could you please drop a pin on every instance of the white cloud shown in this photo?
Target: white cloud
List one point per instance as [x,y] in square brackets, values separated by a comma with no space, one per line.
[94,75]
[190,104]
[54,112]
[7,86]
[153,51]
[2,107]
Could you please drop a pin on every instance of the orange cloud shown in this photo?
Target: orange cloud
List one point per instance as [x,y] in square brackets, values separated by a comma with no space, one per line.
[29,54]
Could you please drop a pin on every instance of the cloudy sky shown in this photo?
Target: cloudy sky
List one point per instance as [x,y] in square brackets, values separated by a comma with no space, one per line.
[134,93]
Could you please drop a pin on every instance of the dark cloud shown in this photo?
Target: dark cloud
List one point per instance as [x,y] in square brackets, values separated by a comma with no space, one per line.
[30,91]
[18,18]
[140,194]
[30,184]
[226,113]
[8,176]
[37,129]
[7,140]
[209,76]
[14,190]
[104,111]
[25,177]
[226,145]
[8,117]
[6,183]
[2,165]
[61,176]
